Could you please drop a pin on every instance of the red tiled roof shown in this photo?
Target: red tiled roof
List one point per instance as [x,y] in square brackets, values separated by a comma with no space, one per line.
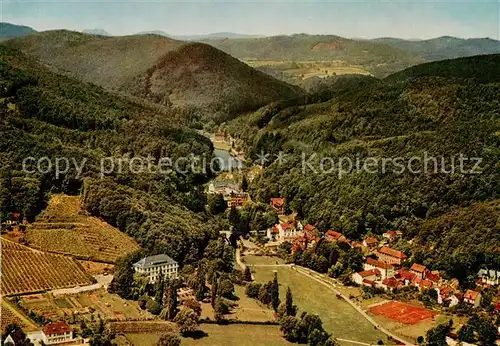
[497,306]
[426,284]
[406,275]
[286,226]
[471,294]
[378,264]
[334,234]
[391,282]
[369,282]
[392,252]
[274,230]
[16,216]
[277,202]
[370,272]
[371,240]
[446,291]
[433,277]
[57,328]
[309,227]
[419,268]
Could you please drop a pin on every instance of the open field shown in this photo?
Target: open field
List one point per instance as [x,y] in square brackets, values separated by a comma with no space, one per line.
[64,227]
[10,315]
[265,260]
[26,270]
[218,335]
[401,312]
[82,305]
[301,70]
[338,317]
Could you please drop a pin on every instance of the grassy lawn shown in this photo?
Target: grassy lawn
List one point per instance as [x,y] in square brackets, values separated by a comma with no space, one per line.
[338,317]
[217,335]
[250,260]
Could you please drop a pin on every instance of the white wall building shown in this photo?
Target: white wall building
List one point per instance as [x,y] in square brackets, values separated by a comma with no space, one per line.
[154,265]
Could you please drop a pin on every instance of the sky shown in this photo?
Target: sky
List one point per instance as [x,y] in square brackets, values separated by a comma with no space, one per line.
[359,19]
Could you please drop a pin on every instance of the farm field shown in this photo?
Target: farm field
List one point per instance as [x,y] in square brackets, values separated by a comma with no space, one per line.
[26,270]
[83,305]
[338,317]
[218,335]
[301,70]
[10,315]
[64,227]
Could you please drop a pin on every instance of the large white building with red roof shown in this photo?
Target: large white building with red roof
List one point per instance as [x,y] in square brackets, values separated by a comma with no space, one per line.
[57,333]
[390,255]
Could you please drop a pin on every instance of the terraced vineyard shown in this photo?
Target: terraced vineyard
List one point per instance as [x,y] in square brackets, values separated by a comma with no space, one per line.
[65,228]
[26,270]
[12,316]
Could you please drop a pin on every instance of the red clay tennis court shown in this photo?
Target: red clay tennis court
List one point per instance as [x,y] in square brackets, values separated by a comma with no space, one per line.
[401,312]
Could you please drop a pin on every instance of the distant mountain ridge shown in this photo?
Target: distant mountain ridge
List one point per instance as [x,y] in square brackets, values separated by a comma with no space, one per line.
[216,35]
[8,30]
[160,69]
[96,31]
[445,47]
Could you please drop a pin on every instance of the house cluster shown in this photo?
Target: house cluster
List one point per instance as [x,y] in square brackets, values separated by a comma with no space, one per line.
[155,266]
[231,193]
[383,269]
[51,334]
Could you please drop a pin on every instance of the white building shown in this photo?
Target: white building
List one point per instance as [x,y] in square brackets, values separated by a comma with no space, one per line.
[154,265]
[57,333]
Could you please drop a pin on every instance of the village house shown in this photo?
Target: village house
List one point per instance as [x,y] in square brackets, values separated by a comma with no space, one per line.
[405,276]
[391,256]
[390,283]
[278,205]
[422,284]
[57,333]
[386,269]
[283,232]
[447,294]
[472,297]
[219,137]
[224,187]
[392,235]
[419,270]
[238,199]
[488,277]
[307,239]
[14,219]
[370,242]
[14,338]
[152,266]
[434,276]
[370,275]
[334,236]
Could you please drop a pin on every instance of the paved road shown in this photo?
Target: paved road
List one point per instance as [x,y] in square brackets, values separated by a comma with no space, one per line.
[326,281]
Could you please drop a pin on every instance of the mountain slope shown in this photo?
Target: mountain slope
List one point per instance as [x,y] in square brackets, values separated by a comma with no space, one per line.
[401,120]
[43,114]
[191,75]
[377,58]
[8,30]
[445,47]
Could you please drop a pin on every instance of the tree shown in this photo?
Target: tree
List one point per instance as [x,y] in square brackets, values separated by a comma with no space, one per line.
[160,288]
[220,309]
[486,332]
[288,326]
[252,290]
[234,216]
[437,335]
[153,307]
[171,301]
[191,303]
[170,338]
[214,289]
[466,333]
[244,183]
[217,204]
[247,274]
[200,284]
[290,308]
[226,289]
[275,293]
[187,320]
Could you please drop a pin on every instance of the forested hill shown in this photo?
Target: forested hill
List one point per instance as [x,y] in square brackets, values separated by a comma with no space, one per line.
[445,47]
[191,76]
[47,115]
[430,112]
